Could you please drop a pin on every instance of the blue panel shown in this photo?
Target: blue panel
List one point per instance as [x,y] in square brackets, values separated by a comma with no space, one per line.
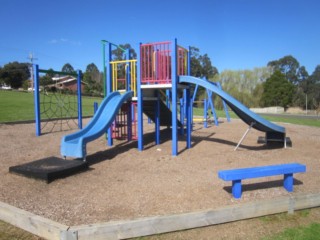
[74,145]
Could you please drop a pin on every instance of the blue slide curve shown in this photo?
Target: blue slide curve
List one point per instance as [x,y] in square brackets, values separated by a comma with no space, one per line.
[242,111]
[74,145]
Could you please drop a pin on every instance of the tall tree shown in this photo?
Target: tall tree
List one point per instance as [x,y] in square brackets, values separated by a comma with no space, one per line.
[245,85]
[314,81]
[118,53]
[13,74]
[289,66]
[277,91]
[201,65]
[302,89]
[47,78]
[93,78]
[1,80]
[67,68]
[207,69]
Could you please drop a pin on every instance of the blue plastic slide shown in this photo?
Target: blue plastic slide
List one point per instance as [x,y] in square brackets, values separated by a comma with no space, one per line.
[74,145]
[249,117]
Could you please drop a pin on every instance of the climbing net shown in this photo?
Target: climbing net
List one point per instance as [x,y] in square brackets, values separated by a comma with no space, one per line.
[58,103]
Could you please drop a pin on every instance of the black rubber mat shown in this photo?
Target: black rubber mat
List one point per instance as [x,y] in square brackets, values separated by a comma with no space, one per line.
[49,169]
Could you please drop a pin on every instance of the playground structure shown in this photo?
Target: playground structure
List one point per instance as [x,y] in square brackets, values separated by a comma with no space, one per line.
[161,69]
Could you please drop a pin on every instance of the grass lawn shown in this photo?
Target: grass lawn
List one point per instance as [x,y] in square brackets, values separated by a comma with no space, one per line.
[309,232]
[281,119]
[18,106]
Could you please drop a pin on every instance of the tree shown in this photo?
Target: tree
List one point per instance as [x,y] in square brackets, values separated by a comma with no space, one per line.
[118,53]
[14,74]
[201,66]
[289,66]
[47,78]
[67,68]
[244,85]
[314,86]
[93,78]
[207,69]
[277,91]
[1,80]
[303,88]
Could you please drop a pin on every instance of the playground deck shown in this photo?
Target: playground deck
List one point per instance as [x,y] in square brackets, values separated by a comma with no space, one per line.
[123,183]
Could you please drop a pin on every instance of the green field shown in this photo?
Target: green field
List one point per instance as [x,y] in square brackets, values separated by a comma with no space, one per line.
[309,232]
[282,119]
[18,106]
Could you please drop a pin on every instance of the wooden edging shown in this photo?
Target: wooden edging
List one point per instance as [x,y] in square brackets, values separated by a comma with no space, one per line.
[154,225]
[30,222]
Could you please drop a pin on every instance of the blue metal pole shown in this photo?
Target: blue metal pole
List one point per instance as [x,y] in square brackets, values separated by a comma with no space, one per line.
[205,112]
[104,68]
[211,104]
[140,101]
[181,116]
[37,99]
[174,80]
[79,99]
[157,119]
[109,87]
[225,107]
[128,88]
[185,103]
[168,98]
[109,72]
[95,107]
[195,93]
[189,61]
[190,101]
[191,106]
[189,117]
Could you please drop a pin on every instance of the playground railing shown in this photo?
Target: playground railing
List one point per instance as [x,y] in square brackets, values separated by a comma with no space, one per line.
[124,75]
[156,62]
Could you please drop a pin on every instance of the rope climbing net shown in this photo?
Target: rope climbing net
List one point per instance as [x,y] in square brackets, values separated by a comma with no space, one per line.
[58,102]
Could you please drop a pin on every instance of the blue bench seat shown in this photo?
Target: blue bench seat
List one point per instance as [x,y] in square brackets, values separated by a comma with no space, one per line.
[236,175]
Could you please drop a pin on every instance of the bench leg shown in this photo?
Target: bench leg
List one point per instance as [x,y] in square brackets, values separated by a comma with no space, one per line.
[236,188]
[288,182]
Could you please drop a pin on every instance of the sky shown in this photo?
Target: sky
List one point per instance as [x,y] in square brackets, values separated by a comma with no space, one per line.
[236,34]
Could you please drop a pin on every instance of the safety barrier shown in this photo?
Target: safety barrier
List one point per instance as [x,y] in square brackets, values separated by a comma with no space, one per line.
[156,62]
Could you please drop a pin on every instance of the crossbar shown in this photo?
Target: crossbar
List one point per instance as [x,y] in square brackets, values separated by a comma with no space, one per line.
[236,175]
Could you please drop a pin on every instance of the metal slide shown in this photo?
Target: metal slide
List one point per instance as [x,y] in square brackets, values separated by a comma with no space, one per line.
[249,117]
[74,145]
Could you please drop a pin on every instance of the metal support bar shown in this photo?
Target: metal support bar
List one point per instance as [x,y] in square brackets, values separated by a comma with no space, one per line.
[244,135]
